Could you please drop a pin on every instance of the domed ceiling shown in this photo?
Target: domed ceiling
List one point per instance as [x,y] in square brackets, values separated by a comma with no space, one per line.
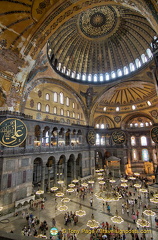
[101,44]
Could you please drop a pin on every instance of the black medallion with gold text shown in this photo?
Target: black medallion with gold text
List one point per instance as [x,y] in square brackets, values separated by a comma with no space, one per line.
[118,137]
[91,137]
[13,132]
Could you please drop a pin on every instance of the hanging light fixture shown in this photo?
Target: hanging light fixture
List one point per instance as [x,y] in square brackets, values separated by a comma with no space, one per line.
[132,178]
[54,189]
[112,181]
[137,185]
[124,184]
[84,184]
[92,223]
[62,207]
[70,190]
[124,180]
[155,195]
[59,194]
[142,222]
[149,213]
[65,200]
[143,190]
[75,180]
[71,185]
[39,192]
[117,218]
[101,182]
[91,182]
[100,178]
[80,212]
[154,200]
[60,182]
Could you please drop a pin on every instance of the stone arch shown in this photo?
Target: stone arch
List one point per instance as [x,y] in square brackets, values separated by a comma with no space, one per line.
[37,171]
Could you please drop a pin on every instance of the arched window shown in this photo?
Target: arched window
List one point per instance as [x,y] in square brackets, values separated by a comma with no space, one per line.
[125,70]
[97,139]
[102,126]
[133,141]
[59,66]
[143,141]
[101,78]
[67,101]
[107,77]
[119,73]
[47,96]
[55,110]
[97,125]
[102,140]
[61,98]
[141,124]
[134,155]
[145,154]
[95,78]
[89,77]
[78,116]
[61,112]
[73,105]
[138,63]
[73,74]
[148,51]
[131,67]
[78,76]
[55,98]
[68,113]
[83,76]
[144,59]
[113,74]
[47,108]
[39,106]
[73,115]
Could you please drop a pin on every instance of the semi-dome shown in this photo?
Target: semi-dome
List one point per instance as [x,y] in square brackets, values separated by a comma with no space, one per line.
[101,44]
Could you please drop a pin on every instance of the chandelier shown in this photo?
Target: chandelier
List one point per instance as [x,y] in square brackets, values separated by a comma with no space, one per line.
[137,185]
[143,190]
[71,185]
[62,207]
[39,192]
[59,194]
[124,180]
[91,182]
[92,223]
[117,219]
[124,184]
[154,200]
[75,180]
[112,181]
[65,200]
[142,222]
[101,182]
[149,213]
[54,189]
[80,212]
[70,190]
[137,174]
[132,178]
[84,184]
[60,182]
[100,178]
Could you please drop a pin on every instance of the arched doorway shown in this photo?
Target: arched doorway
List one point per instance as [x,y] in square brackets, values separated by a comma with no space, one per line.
[79,166]
[50,172]
[37,171]
[70,168]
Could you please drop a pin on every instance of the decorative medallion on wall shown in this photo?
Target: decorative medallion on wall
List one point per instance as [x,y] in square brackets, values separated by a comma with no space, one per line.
[98,21]
[118,137]
[154,113]
[117,119]
[13,132]
[154,134]
[91,137]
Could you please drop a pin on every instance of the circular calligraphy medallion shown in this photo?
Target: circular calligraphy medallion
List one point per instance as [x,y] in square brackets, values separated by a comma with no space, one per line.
[13,132]
[91,137]
[154,134]
[118,137]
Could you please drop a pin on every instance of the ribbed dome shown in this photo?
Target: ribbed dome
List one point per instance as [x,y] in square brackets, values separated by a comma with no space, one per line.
[100,44]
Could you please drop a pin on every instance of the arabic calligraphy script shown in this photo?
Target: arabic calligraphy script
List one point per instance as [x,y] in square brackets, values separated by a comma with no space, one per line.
[154,134]
[12,132]
[118,137]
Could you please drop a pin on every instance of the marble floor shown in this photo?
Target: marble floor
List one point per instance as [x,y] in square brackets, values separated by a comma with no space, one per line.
[17,223]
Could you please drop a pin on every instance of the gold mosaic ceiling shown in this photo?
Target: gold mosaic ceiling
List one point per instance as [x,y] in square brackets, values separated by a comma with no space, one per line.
[100,40]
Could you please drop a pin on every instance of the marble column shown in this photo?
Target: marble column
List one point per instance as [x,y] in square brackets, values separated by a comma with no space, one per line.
[74,169]
[65,173]
[49,168]
[43,179]
[55,174]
